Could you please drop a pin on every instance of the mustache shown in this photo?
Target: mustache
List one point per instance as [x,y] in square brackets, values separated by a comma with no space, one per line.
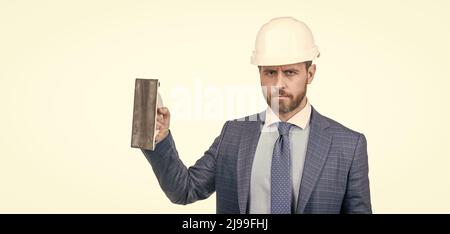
[279,92]
[283,93]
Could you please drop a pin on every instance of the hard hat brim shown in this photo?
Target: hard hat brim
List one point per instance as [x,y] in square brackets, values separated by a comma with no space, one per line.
[276,61]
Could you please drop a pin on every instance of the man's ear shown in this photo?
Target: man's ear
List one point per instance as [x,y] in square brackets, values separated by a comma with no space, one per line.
[311,72]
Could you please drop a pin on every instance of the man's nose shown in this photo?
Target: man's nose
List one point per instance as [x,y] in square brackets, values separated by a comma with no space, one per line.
[280,81]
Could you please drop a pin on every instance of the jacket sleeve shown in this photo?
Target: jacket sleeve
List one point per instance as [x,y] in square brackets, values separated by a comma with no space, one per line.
[180,184]
[357,196]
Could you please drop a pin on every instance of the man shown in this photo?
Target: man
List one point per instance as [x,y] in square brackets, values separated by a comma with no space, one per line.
[286,159]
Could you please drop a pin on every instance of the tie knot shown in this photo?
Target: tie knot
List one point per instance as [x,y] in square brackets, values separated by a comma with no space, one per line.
[283,128]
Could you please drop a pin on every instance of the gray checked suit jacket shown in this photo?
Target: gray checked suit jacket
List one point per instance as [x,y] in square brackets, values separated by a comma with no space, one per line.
[335,176]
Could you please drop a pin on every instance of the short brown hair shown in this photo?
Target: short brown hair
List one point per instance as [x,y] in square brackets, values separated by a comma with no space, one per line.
[308,64]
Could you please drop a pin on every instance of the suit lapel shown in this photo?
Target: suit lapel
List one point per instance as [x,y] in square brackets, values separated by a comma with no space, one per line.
[316,153]
[246,154]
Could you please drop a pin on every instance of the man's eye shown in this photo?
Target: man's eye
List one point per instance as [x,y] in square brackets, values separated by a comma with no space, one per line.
[270,73]
[289,73]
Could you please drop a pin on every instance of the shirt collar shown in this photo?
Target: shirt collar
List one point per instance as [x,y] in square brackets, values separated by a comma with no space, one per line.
[300,119]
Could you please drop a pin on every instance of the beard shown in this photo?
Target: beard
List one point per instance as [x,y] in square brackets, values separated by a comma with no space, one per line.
[284,105]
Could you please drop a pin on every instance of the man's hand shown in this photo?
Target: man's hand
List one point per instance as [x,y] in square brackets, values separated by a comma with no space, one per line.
[162,123]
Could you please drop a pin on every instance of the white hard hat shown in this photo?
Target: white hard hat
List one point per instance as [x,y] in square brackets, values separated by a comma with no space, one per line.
[284,40]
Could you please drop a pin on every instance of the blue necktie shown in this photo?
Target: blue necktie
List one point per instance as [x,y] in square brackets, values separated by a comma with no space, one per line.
[281,180]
